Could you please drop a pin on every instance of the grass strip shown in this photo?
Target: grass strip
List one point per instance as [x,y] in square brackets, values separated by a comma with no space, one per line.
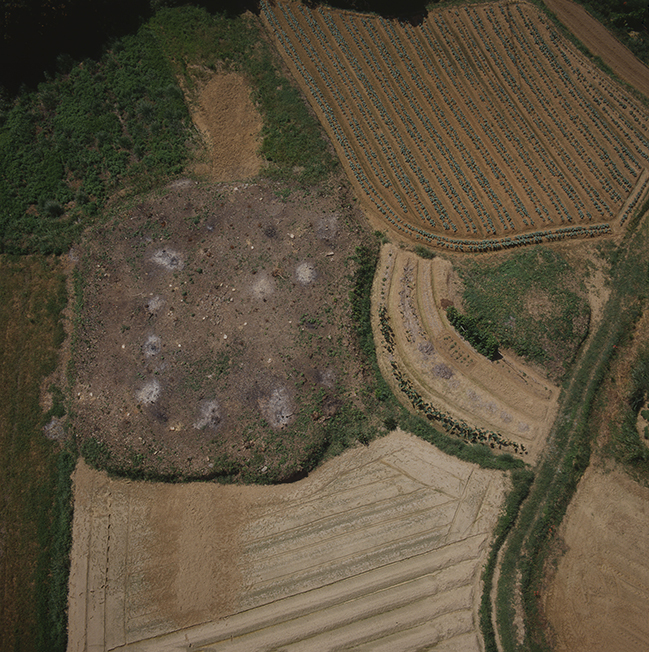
[35,506]
[568,451]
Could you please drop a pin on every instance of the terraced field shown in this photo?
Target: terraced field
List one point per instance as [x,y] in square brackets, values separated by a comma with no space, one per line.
[379,549]
[502,403]
[480,128]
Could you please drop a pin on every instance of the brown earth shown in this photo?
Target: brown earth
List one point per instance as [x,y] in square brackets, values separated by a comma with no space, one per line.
[381,548]
[601,43]
[215,340]
[598,598]
[222,109]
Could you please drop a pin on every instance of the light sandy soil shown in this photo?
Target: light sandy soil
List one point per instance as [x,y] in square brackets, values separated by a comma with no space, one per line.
[598,598]
[224,109]
[601,43]
[505,396]
[381,548]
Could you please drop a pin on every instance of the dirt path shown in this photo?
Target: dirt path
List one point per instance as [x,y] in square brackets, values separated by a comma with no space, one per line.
[601,43]
[222,108]
[598,597]
[380,548]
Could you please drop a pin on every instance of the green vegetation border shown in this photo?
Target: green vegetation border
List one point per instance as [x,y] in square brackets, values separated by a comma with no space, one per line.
[568,451]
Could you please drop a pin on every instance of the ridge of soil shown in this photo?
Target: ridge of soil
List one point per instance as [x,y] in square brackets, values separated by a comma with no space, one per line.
[505,395]
[382,547]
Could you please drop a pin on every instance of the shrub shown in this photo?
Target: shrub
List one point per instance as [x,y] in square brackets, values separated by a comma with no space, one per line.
[475,334]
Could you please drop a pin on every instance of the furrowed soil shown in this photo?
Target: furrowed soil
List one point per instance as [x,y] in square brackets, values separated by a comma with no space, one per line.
[380,549]
[597,600]
[508,149]
[504,395]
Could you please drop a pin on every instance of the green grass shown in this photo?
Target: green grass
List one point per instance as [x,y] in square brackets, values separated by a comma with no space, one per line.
[35,507]
[627,445]
[568,450]
[65,148]
[530,304]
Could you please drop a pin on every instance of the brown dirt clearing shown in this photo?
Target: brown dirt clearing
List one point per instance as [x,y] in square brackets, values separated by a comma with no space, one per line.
[223,108]
[598,597]
[215,337]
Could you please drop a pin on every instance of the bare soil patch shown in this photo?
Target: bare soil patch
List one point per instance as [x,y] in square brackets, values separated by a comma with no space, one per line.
[381,548]
[215,336]
[597,599]
[223,108]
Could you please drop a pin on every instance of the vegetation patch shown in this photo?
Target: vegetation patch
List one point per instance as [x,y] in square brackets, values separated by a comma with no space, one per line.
[532,303]
[470,329]
[35,508]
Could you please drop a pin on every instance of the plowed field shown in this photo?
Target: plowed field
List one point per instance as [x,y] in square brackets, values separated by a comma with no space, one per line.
[597,600]
[478,129]
[380,549]
[500,403]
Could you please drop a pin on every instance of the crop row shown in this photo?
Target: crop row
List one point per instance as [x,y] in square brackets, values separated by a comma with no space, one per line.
[475,122]
[453,426]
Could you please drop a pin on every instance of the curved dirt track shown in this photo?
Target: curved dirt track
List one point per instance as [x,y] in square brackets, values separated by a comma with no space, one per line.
[379,549]
[597,601]
[601,43]
[504,396]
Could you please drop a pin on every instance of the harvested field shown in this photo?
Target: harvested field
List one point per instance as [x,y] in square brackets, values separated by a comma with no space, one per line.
[480,128]
[381,548]
[501,403]
[598,597]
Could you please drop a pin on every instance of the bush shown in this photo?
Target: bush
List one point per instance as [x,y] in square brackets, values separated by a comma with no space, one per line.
[475,334]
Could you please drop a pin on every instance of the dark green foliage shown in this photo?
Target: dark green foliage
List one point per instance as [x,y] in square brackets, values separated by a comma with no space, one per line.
[96,454]
[360,296]
[528,302]
[64,148]
[424,252]
[474,333]
[622,17]
[627,444]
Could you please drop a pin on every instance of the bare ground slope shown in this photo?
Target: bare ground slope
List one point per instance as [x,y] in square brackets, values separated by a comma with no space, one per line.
[381,548]
[601,43]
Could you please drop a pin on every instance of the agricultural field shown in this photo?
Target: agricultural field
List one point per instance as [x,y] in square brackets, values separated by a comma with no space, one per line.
[478,129]
[379,549]
[502,403]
